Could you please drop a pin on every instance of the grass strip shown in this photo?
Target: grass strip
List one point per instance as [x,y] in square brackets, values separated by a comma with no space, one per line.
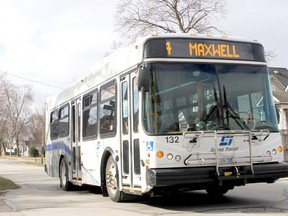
[6,184]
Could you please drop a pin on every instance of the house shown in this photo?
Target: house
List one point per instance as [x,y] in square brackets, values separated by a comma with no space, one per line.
[11,149]
[28,144]
[279,86]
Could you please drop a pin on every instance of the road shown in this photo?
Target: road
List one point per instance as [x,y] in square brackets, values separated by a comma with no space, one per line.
[40,195]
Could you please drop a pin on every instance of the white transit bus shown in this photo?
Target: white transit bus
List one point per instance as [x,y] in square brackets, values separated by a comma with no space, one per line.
[171,112]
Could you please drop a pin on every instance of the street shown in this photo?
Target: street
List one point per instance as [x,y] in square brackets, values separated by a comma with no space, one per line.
[39,194]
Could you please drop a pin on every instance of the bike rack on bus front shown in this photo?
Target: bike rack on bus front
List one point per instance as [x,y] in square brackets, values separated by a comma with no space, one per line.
[220,159]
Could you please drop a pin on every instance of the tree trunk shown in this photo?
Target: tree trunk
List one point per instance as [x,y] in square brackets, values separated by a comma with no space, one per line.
[1,148]
[17,145]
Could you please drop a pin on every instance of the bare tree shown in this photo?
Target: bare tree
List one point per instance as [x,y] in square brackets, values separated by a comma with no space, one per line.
[36,127]
[3,129]
[3,116]
[16,101]
[269,55]
[140,17]
[18,122]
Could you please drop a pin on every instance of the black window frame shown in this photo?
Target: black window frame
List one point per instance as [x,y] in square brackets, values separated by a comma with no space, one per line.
[135,111]
[54,123]
[112,105]
[64,117]
[87,104]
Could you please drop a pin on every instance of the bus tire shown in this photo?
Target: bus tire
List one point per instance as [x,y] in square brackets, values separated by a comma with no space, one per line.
[111,176]
[65,184]
[217,191]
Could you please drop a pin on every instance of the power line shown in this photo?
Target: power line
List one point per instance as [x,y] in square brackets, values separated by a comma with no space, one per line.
[34,81]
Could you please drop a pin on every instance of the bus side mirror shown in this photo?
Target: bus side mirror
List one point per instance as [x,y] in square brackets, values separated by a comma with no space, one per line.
[143,78]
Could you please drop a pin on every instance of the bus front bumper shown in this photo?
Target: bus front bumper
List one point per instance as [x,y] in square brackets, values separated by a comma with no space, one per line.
[166,177]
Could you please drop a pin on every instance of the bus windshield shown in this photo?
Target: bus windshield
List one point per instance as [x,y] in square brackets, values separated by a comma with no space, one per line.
[205,97]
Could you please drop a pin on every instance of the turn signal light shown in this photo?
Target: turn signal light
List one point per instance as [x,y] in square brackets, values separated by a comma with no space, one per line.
[280,149]
[160,154]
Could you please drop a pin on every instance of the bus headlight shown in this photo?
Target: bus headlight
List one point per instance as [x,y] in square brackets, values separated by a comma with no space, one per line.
[169,156]
[274,151]
[268,153]
[178,158]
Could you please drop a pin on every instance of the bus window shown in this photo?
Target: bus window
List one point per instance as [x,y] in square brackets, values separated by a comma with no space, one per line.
[107,109]
[135,106]
[90,117]
[124,108]
[64,121]
[54,126]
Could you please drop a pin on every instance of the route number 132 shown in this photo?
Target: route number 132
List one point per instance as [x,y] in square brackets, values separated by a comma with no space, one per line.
[172,139]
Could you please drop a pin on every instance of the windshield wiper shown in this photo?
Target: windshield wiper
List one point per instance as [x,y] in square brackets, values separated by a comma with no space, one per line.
[216,111]
[223,107]
[230,112]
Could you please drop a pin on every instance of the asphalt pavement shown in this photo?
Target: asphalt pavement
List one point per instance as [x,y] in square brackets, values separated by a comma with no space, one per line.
[40,195]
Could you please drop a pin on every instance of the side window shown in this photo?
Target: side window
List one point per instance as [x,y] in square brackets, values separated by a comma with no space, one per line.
[54,126]
[107,109]
[135,106]
[124,108]
[90,118]
[64,121]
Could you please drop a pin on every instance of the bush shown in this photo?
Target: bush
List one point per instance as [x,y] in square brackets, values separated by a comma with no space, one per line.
[33,152]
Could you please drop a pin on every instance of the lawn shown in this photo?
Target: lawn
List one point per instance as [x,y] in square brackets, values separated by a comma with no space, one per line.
[6,184]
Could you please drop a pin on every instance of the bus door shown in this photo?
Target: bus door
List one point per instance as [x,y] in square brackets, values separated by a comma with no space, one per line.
[130,149]
[75,134]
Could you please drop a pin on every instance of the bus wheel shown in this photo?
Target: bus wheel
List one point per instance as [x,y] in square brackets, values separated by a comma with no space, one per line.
[217,190]
[64,180]
[112,182]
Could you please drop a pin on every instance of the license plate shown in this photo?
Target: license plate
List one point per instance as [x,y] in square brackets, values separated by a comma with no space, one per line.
[226,161]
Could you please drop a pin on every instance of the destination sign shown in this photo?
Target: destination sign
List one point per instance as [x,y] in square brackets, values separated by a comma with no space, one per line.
[203,49]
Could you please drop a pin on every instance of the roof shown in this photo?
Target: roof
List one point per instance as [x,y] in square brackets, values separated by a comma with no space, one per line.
[198,36]
[282,97]
[280,74]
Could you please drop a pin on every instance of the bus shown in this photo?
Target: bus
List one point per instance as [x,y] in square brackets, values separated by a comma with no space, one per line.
[171,112]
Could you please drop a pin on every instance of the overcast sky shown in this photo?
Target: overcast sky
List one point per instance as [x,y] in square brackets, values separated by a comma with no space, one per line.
[55,42]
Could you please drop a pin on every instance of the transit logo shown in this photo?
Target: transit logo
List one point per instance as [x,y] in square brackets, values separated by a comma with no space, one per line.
[226,141]
[149,145]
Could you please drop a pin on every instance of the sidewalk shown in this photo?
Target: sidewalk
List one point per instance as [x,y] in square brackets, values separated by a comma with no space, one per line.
[28,160]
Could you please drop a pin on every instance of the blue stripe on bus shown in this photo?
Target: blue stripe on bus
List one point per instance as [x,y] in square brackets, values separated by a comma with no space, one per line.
[58,146]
